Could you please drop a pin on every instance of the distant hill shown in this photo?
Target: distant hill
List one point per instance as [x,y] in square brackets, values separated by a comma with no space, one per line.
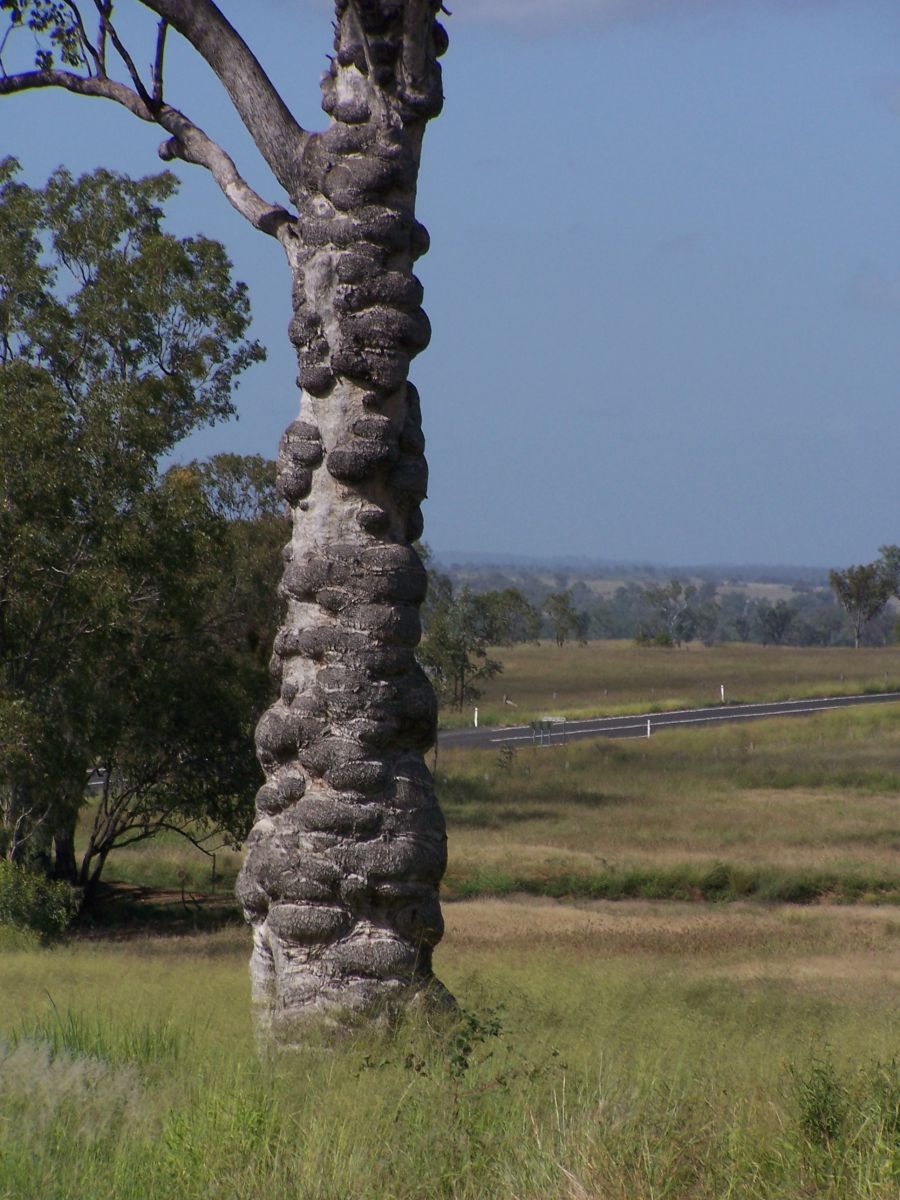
[577,568]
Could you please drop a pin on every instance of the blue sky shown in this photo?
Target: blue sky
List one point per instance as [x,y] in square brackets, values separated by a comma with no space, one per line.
[665,271]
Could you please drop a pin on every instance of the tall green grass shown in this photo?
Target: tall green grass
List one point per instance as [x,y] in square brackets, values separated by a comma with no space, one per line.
[563,1076]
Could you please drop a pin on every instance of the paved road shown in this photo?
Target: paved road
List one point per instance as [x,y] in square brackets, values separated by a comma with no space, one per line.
[636,726]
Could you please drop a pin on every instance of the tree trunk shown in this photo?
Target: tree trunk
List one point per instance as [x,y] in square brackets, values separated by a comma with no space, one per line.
[64,865]
[341,876]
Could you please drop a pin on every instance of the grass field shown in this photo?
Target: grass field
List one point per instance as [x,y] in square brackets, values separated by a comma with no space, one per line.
[695,1038]
[609,677]
[792,809]
[621,1051]
[778,809]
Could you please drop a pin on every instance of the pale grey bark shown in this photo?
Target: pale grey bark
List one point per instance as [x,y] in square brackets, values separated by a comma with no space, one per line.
[344,861]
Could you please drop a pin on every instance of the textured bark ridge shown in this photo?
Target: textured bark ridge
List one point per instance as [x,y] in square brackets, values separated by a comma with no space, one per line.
[341,878]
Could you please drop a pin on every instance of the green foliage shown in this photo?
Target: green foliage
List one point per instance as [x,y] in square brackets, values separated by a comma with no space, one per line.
[54,19]
[459,629]
[507,618]
[670,620]
[564,618]
[123,631]
[604,1074]
[822,1102]
[29,901]
[862,592]
[772,622]
[91,1035]
[889,562]
[709,608]
[661,640]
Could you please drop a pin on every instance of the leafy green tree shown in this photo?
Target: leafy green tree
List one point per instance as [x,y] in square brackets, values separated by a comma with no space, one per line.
[862,592]
[454,650]
[175,705]
[117,340]
[671,619]
[565,619]
[507,617]
[242,491]
[772,622]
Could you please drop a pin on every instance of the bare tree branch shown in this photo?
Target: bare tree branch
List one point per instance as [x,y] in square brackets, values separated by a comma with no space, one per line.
[191,144]
[188,142]
[158,62]
[11,27]
[277,134]
[107,88]
[127,59]
[103,9]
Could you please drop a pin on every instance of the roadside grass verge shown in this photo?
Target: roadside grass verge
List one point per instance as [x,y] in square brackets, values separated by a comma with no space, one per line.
[623,1051]
[616,678]
[777,810]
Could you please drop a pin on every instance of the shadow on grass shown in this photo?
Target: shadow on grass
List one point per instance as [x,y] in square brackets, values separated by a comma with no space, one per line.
[472,804]
[125,910]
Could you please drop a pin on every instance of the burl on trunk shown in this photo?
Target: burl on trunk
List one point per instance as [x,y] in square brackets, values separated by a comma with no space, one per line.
[344,861]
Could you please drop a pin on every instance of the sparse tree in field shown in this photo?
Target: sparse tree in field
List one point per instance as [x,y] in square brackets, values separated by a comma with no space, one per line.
[460,627]
[343,865]
[862,593]
[565,619]
[672,618]
[455,649]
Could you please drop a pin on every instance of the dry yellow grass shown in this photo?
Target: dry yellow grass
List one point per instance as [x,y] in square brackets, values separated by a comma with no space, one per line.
[798,829]
[733,938]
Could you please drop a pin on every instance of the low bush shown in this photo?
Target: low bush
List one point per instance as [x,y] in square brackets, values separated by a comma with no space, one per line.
[29,901]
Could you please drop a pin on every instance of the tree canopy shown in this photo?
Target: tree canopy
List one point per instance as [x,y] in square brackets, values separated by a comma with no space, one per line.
[862,592]
[116,339]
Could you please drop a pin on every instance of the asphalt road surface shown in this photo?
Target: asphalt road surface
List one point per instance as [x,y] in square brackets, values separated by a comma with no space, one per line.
[552,732]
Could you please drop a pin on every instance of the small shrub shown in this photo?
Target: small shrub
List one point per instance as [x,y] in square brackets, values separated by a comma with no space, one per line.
[716,883]
[29,901]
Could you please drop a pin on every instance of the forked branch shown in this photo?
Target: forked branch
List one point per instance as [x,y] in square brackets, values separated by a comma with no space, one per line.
[187,141]
[278,136]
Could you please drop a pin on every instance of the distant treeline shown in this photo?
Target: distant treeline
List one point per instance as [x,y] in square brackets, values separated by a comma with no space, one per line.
[653,607]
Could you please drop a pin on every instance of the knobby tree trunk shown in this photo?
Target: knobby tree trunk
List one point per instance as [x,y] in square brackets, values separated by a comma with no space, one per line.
[344,861]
